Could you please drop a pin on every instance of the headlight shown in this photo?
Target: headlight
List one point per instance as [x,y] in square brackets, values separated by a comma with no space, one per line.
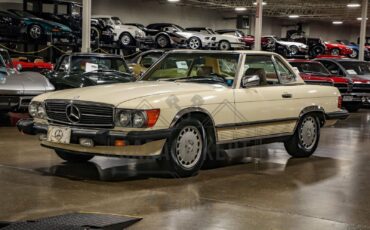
[37,110]
[137,118]
[32,109]
[138,34]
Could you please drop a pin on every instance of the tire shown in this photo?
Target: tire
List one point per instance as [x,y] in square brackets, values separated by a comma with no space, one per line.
[162,41]
[35,32]
[95,34]
[126,39]
[73,157]
[335,52]
[195,43]
[354,54]
[317,50]
[294,50]
[224,45]
[306,138]
[185,151]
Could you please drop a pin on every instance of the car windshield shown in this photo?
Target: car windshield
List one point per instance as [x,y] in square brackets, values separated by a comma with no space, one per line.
[310,67]
[178,28]
[209,68]
[24,14]
[81,64]
[116,21]
[240,33]
[356,68]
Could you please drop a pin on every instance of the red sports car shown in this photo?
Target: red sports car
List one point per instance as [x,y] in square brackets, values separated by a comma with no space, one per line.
[313,72]
[31,63]
[337,49]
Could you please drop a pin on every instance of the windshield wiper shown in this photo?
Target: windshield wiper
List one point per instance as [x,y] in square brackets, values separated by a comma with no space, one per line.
[202,79]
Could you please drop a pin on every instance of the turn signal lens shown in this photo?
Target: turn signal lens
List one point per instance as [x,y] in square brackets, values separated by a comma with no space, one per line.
[119,143]
[152,116]
[340,100]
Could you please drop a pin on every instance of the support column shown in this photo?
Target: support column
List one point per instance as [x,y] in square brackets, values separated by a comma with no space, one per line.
[86,26]
[365,4]
[258,27]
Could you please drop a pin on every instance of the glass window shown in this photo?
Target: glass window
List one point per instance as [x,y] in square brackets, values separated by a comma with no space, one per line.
[62,10]
[286,76]
[88,64]
[196,67]
[310,68]
[149,59]
[333,68]
[356,67]
[48,8]
[263,66]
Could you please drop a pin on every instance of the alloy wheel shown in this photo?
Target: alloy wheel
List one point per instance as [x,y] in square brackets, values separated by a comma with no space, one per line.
[35,32]
[126,40]
[189,147]
[194,43]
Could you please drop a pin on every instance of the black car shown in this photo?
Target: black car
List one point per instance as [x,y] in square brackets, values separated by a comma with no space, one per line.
[164,37]
[89,69]
[358,72]
[11,26]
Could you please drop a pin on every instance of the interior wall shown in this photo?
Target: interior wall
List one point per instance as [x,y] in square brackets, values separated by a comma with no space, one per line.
[146,12]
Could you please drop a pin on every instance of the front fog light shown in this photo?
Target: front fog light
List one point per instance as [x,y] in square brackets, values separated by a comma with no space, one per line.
[86,142]
[139,119]
[124,118]
[32,109]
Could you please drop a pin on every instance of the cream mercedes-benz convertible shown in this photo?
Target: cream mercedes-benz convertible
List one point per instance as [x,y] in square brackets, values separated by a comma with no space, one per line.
[186,107]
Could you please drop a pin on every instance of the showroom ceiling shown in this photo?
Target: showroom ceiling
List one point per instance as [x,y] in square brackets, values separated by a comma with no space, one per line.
[306,9]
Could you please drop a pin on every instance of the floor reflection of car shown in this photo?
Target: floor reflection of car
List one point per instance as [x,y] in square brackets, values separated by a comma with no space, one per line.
[143,61]
[89,69]
[17,89]
[187,106]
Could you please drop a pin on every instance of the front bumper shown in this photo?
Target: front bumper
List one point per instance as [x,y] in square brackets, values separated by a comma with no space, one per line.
[138,143]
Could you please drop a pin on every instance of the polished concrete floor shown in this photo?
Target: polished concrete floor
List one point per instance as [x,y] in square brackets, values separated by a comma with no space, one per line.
[258,188]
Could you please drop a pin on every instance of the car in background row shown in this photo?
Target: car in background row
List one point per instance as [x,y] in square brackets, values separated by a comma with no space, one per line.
[37,28]
[285,48]
[247,39]
[126,35]
[17,89]
[358,73]
[222,42]
[355,49]
[11,26]
[337,49]
[141,62]
[31,63]
[194,40]
[88,69]
[313,72]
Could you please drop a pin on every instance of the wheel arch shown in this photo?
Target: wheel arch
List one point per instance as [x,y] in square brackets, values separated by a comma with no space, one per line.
[317,110]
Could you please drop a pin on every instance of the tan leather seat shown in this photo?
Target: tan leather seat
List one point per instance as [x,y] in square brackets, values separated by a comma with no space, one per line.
[204,71]
[261,73]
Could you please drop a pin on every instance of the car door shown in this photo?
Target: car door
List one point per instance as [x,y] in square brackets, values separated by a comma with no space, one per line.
[267,109]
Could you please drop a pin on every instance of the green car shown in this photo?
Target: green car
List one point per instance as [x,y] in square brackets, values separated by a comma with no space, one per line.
[38,29]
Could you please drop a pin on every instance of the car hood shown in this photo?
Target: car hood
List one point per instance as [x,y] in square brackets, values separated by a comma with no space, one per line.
[25,83]
[188,35]
[231,38]
[339,79]
[292,43]
[119,93]
[52,24]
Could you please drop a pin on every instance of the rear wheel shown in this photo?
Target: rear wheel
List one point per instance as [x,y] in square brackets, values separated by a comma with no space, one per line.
[35,32]
[306,138]
[185,150]
[294,50]
[224,45]
[95,34]
[195,43]
[126,39]
[354,54]
[73,157]
[163,41]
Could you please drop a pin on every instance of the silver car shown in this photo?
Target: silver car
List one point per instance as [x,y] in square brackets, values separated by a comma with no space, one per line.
[17,89]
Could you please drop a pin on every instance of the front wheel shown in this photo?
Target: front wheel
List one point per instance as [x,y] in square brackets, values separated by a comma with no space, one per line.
[195,43]
[35,32]
[184,152]
[163,41]
[306,138]
[294,50]
[224,45]
[354,54]
[126,39]
[73,157]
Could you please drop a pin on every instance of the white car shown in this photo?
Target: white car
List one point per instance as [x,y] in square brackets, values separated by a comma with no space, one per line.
[185,108]
[125,34]
[285,48]
[223,41]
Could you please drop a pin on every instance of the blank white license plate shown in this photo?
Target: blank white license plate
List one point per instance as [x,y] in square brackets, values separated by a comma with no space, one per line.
[347,98]
[61,135]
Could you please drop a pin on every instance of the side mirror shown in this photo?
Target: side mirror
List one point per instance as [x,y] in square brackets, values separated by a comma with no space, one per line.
[250,81]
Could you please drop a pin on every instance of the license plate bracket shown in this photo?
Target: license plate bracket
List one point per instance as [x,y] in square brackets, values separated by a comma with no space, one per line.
[60,135]
[348,98]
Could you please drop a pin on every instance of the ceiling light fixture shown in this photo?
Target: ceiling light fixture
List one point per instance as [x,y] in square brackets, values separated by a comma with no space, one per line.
[263,3]
[359,19]
[337,22]
[173,0]
[353,5]
[293,16]
[240,9]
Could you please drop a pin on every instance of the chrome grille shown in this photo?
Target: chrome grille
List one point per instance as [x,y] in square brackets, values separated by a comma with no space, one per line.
[91,114]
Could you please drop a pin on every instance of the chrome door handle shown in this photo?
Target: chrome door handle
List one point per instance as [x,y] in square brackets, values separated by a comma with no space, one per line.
[287,95]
